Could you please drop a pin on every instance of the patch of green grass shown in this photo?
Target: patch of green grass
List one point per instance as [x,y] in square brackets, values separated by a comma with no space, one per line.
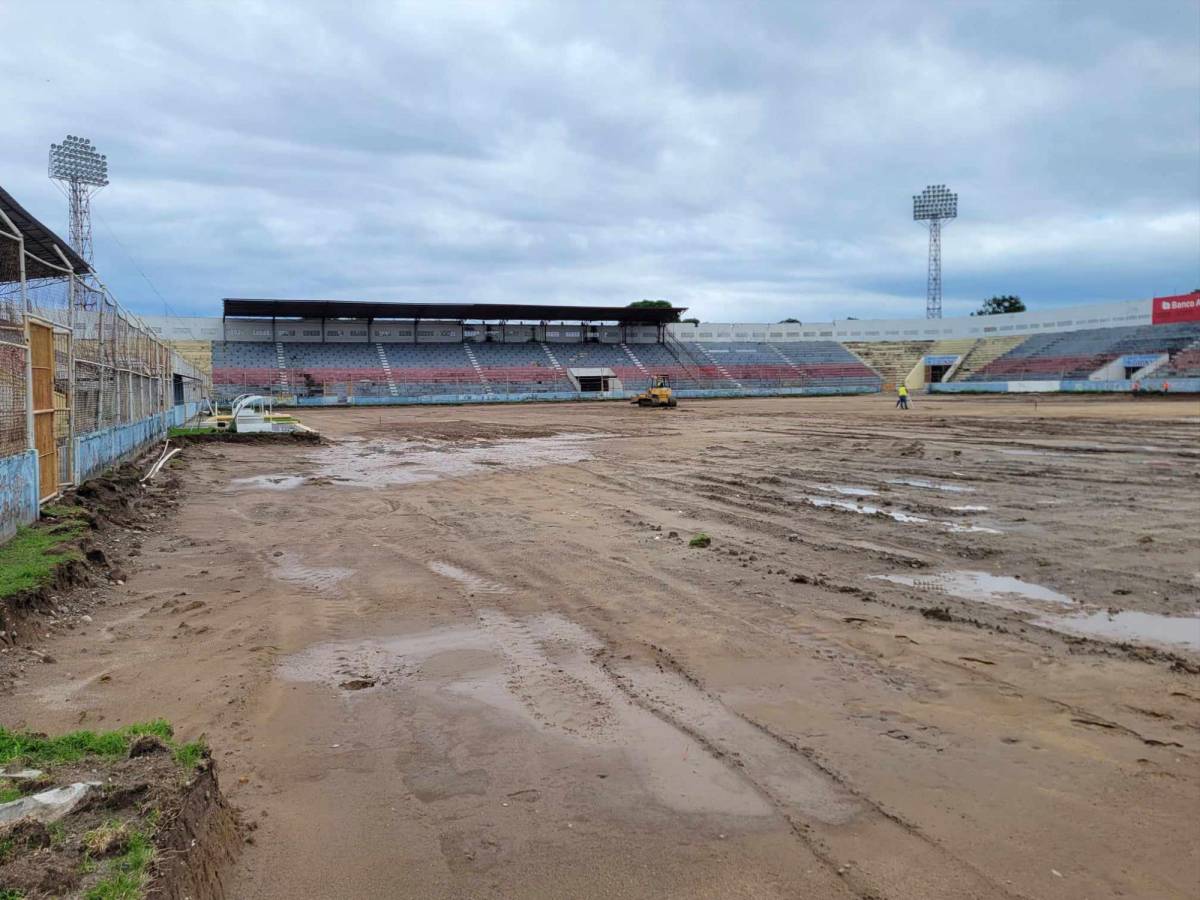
[9,794]
[185,431]
[29,559]
[700,540]
[58,511]
[127,873]
[188,755]
[35,750]
[6,847]
[11,894]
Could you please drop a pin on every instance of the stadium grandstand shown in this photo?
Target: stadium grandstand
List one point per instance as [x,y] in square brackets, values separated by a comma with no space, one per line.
[315,352]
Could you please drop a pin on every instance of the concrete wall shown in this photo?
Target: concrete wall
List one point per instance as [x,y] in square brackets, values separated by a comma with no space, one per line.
[1072,318]
[93,454]
[18,492]
[103,449]
[1151,386]
[299,331]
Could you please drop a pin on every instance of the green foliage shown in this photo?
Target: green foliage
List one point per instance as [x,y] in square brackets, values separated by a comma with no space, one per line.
[11,894]
[700,540]
[9,794]
[27,562]
[176,431]
[789,322]
[1007,303]
[127,873]
[189,755]
[691,321]
[58,511]
[34,749]
[650,304]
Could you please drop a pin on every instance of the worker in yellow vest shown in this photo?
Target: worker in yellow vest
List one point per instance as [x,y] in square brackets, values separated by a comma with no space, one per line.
[901,397]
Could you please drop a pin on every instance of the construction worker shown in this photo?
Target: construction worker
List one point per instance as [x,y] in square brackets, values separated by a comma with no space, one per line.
[901,397]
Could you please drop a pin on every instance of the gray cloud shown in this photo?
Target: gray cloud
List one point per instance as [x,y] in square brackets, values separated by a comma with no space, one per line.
[749,162]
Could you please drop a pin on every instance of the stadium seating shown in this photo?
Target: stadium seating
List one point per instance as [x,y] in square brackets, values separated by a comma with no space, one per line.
[1184,364]
[982,352]
[498,369]
[893,360]
[778,364]
[1077,354]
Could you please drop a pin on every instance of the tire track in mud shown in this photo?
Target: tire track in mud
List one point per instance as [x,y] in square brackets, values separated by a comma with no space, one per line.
[841,655]
[570,680]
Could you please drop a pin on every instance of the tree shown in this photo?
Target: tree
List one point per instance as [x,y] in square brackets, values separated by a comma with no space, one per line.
[1008,303]
[651,304]
[691,321]
[789,321]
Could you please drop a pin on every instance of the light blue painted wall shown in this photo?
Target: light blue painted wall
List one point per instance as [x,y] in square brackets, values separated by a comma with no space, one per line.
[1150,385]
[18,492]
[102,449]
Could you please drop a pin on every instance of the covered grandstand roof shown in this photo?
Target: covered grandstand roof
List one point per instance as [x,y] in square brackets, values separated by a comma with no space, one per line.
[486,312]
[39,245]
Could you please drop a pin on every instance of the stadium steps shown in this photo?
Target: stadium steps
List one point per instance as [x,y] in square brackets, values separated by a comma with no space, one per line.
[985,351]
[281,360]
[387,370]
[550,356]
[483,379]
[637,362]
[721,370]
[893,360]
[787,362]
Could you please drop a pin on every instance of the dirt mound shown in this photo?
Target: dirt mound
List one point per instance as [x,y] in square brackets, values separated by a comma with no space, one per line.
[100,523]
[232,437]
[144,821]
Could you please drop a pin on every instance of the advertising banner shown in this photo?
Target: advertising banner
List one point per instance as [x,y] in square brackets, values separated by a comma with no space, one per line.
[1180,308]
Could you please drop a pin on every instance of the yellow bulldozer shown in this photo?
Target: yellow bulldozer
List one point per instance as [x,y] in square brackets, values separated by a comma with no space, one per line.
[658,394]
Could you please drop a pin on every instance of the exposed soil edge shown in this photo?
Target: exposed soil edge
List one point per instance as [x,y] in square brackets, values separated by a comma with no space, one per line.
[111,505]
[197,844]
[233,437]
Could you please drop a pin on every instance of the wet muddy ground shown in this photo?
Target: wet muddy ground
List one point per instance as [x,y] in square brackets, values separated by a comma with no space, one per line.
[468,652]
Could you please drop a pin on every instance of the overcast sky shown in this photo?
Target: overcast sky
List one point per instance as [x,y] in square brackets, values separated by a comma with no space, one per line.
[749,161]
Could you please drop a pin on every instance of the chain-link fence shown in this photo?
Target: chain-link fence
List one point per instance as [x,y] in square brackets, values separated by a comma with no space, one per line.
[14,426]
[99,368]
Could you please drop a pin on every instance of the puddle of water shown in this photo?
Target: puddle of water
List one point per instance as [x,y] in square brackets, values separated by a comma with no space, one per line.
[997,590]
[272,482]
[543,672]
[469,580]
[379,462]
[866,509]
[933,485]
[291,568]
[1171,632]
[845,490]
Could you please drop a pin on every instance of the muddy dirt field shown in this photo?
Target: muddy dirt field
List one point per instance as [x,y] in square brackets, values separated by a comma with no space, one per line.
[470,652]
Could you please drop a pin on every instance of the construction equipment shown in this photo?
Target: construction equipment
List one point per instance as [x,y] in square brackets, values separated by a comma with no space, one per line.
[658,394]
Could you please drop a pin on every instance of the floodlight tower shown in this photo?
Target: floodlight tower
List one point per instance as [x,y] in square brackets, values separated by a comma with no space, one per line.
[80,172]
[935,205]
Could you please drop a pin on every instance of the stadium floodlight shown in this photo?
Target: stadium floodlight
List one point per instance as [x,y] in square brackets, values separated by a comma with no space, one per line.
[80,171]
[935,205]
